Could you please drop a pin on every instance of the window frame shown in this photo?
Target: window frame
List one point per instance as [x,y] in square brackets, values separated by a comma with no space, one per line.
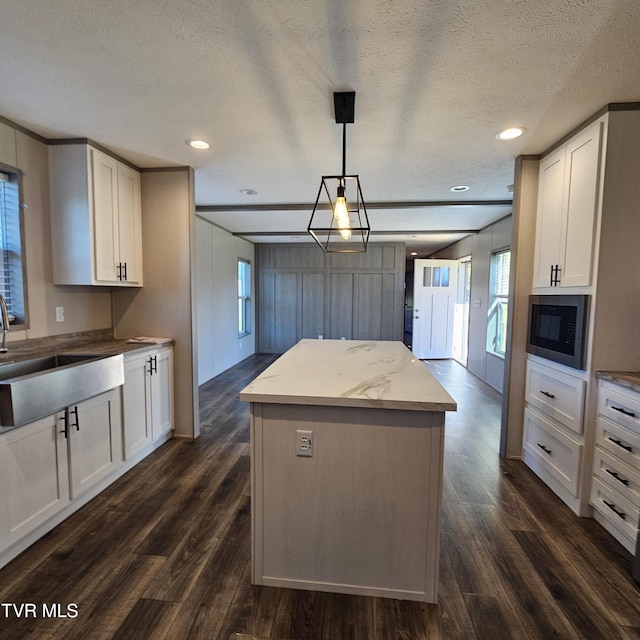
[20,313]
[498,306]
[244,297]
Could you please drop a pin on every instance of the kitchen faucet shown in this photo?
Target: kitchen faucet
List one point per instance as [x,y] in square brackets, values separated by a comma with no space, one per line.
[5,323]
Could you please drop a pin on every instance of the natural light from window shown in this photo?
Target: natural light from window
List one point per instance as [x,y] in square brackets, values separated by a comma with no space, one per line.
[11,280]
[498,303]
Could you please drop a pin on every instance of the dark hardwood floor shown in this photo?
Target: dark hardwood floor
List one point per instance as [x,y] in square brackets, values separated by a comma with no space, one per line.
[164,553]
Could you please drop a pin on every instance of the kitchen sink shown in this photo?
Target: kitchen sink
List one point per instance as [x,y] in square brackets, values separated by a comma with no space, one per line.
[37,387]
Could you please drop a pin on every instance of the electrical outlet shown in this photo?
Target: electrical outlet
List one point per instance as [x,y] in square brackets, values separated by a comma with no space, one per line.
[304,443]
[59,314]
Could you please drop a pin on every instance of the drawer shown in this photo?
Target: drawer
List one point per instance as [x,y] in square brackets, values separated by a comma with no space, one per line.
[622,443]
[620,405]
[617,475]
[556,451]
[615,509]
[560,395]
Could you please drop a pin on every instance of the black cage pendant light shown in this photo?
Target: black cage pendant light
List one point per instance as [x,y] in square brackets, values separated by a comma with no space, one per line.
[341,225]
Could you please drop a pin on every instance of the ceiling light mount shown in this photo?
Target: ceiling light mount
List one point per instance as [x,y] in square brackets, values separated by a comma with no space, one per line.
[198,143]
[511,133]
[343,227]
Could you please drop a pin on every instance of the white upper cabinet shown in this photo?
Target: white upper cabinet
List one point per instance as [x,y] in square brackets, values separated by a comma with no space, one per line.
[96,228]
[567,211]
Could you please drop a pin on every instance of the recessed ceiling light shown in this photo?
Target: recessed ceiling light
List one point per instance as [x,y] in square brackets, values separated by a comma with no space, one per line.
[459,188]
[248,192]
[198,144]
[414,253]
[510,133]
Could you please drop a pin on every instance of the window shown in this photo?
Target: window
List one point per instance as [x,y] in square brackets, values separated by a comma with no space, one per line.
[11,281]
[244,297]
[498,303]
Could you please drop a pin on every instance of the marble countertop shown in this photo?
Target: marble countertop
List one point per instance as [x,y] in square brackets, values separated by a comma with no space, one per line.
[629,379]
[350,373]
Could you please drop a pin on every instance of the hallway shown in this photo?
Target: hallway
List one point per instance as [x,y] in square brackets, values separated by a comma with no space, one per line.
[164,553]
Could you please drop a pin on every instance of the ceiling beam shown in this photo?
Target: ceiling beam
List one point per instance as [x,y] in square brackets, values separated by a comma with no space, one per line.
[409,204]
[373,233]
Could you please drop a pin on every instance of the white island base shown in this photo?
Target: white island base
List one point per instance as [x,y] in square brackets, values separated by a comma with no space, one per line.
[361,515]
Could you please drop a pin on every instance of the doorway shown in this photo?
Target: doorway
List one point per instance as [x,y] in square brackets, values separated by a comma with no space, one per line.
[461,312]
[434,298]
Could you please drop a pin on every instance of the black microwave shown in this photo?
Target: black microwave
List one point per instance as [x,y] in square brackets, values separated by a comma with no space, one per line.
[558,328]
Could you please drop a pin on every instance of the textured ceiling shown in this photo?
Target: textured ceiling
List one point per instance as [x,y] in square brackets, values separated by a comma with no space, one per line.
[435,80]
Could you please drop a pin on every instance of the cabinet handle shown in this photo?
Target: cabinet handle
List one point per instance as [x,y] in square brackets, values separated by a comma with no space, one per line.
[544,448]
[612,506]
[619,443]
[631,414]
[65,419]
[153,365]
[77,422]
[124,277]
[551,277]
[546,393]
[617,477]
[119,271]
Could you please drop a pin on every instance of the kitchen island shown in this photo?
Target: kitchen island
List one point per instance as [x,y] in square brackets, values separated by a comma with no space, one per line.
[347,441]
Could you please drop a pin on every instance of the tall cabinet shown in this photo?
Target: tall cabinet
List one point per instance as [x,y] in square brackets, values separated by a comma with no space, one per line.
[587,242]
[96,222]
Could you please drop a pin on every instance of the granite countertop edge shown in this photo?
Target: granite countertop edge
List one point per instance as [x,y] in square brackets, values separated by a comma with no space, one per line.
[99,347]
[629,379]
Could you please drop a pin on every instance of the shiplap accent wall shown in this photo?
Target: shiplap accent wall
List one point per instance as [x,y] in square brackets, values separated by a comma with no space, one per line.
[304,293]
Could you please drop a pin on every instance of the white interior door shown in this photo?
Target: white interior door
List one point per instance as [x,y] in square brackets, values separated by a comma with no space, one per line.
[434,298]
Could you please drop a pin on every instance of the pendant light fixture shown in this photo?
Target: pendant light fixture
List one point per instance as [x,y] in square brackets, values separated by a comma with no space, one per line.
[341,225]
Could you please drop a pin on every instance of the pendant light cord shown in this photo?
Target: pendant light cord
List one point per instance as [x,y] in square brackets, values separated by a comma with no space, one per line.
[344,150]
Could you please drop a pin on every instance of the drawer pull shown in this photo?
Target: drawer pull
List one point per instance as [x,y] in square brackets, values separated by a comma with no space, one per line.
[612,506]
[546,393]
[617,477]
[619,443]
[626,413]
[544,448]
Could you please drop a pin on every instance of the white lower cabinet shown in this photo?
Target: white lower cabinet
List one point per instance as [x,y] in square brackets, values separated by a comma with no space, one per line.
[51,467]
[553,430]
[35,477]
[552,450]
[148,400]
[615,489]
[49,463]
[94,434]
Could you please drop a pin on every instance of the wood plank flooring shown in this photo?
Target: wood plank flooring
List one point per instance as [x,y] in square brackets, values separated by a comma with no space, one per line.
[164,553]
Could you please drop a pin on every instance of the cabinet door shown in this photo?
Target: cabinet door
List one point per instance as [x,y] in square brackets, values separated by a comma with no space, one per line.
[161,383]
[549,220]
[137,427]
[129,225]
[581,184]
[105,216]
[35,480]
[95,443]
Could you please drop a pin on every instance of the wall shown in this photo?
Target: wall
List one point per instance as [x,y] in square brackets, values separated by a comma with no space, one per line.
[495,237]
[303,293]
[86,308]
[523,232]
[163,306]
[217,253]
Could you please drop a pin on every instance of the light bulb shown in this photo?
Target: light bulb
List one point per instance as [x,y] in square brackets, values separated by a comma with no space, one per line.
[341,214]
[340,211]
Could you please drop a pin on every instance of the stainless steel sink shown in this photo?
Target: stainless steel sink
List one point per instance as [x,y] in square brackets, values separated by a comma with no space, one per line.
[37,387]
